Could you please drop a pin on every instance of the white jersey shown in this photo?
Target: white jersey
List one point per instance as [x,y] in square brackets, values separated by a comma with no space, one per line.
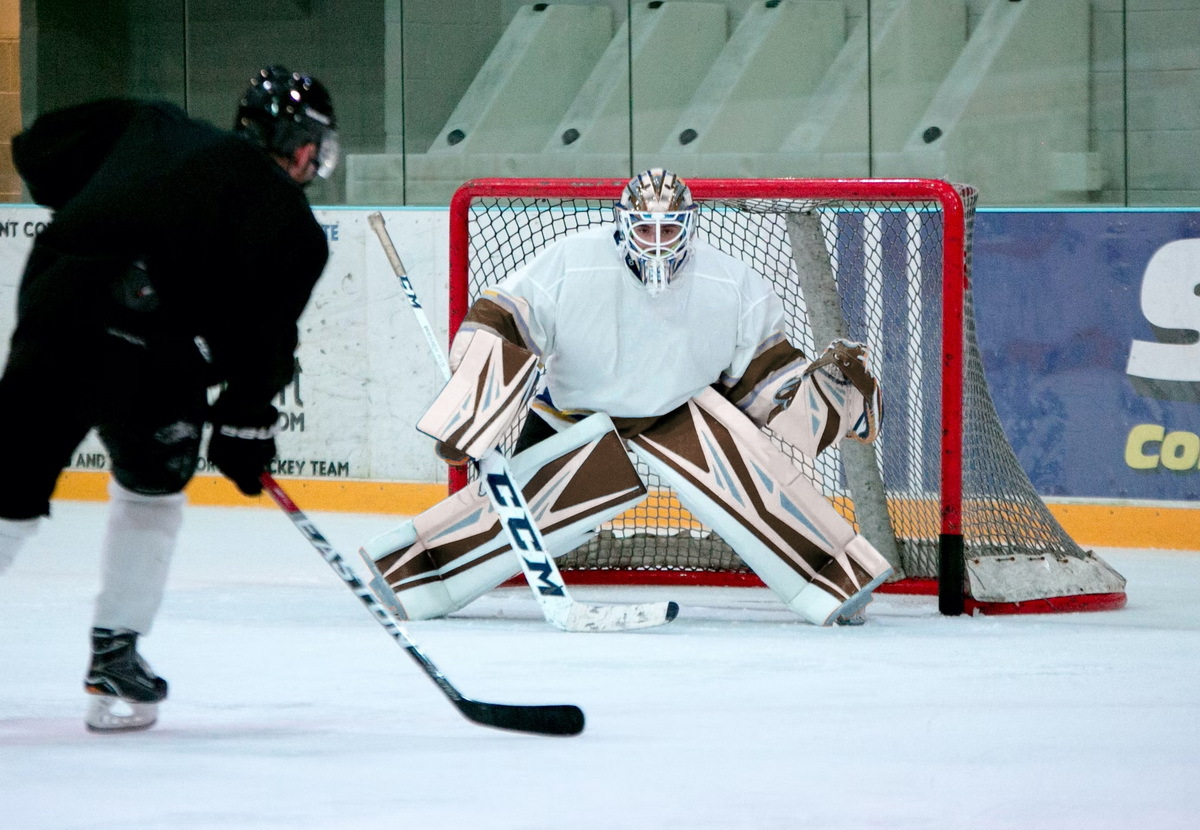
[608,346]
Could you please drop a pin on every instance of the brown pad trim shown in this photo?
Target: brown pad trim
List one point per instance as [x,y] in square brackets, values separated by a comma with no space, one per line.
[679,433]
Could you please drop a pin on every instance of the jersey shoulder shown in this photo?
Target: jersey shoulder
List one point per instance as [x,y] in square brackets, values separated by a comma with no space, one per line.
[595,242]
[254,176]
[585,250]
[111,142]
[709,263]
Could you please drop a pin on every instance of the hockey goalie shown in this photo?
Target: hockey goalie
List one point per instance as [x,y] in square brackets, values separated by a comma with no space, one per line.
[650,342]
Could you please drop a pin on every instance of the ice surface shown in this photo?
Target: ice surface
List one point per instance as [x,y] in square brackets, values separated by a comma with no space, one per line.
[290,708]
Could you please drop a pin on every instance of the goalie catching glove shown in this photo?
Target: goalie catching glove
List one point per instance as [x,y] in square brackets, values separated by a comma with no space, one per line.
[243,442]
[835,397]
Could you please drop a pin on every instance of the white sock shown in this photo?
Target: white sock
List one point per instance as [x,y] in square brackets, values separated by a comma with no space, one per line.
[13,533]
[138,544]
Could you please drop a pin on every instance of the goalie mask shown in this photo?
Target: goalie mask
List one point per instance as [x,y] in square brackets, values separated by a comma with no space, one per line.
[282,111]
[655,217]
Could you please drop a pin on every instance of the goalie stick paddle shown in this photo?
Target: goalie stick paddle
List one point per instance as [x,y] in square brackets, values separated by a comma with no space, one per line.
[541,572]
[550,719]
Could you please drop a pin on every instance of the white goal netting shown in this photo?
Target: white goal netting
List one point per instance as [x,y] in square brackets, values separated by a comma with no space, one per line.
[886,263]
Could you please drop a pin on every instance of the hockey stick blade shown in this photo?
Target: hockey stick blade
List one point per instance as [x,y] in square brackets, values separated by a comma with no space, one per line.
[549,719]
[620,617]
[555,719]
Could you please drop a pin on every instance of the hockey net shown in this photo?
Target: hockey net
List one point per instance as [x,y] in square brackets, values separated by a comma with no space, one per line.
[884,262]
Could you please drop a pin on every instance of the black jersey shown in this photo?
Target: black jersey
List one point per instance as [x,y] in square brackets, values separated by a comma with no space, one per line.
[228,241]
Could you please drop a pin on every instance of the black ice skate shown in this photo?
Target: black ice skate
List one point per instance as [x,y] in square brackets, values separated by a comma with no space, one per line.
[126,689]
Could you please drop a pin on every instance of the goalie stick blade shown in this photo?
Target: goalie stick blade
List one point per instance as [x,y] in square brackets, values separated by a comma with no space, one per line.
[600,618]
[555,719]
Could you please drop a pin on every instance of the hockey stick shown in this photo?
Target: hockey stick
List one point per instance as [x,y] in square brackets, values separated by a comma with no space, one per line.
[552,719]
[540,570]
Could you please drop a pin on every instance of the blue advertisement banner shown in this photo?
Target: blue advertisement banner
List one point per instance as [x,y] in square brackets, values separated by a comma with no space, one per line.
[1088,323]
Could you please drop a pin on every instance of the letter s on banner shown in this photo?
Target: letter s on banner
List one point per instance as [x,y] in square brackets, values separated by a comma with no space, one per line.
[1170,301]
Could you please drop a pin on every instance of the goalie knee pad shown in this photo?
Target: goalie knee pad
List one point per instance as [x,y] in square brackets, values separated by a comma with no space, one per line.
[733,479]
[456,551]
[835,397]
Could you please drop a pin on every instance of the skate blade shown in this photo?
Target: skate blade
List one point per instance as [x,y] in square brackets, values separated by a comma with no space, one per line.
[853,610]
[107,713]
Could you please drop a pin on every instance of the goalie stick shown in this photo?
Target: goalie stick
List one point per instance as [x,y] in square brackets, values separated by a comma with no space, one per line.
[541,572]
[550,719]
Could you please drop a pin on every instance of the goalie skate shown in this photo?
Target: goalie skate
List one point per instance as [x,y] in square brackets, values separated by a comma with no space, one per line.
[126,691]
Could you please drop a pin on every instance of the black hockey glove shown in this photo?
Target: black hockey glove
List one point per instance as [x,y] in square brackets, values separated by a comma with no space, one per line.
[243,443]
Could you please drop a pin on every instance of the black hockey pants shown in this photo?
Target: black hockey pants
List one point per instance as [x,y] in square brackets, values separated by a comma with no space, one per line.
[78,359]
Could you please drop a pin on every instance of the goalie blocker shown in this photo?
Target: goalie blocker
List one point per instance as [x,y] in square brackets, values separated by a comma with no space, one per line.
[492,380]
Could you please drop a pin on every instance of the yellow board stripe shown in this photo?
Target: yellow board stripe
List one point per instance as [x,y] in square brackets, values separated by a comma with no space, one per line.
[1098,525]
[1130,526]
[339,495]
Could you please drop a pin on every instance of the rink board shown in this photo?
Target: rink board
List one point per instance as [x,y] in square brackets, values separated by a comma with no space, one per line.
[1062,298]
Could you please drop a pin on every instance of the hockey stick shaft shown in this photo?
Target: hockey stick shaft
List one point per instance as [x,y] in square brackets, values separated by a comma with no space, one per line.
[516,519]
[375,220]
[542,574]
[553,719]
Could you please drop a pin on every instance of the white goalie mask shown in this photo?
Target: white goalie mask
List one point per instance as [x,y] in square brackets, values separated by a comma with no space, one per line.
[655,217]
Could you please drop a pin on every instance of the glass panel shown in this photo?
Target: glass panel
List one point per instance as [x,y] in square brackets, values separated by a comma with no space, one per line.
[751,89]
[78,51]
[997,94]
[341,44]
[1088,102]
[504,89]
[1107,74]
[200,55]
[1163,118]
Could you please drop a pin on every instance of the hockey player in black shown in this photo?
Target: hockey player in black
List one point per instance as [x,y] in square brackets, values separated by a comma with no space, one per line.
[179,258]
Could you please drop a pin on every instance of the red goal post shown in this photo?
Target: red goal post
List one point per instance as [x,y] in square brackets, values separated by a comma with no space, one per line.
[883,261]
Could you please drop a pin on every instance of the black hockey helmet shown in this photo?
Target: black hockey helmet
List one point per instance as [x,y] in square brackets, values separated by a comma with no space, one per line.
[282,111]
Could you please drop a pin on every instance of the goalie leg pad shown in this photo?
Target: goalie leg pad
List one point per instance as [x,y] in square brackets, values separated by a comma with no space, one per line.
[455,551]
[493,380]
[817,604]
[836,397]
[732,478]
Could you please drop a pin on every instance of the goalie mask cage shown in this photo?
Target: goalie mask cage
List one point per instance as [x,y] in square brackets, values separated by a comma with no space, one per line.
[884,262]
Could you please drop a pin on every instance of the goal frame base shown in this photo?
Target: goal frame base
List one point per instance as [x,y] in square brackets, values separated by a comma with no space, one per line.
[966,580]
[908,587]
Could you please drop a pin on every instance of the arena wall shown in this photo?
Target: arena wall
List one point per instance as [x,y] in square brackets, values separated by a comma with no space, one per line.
[1088,322]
